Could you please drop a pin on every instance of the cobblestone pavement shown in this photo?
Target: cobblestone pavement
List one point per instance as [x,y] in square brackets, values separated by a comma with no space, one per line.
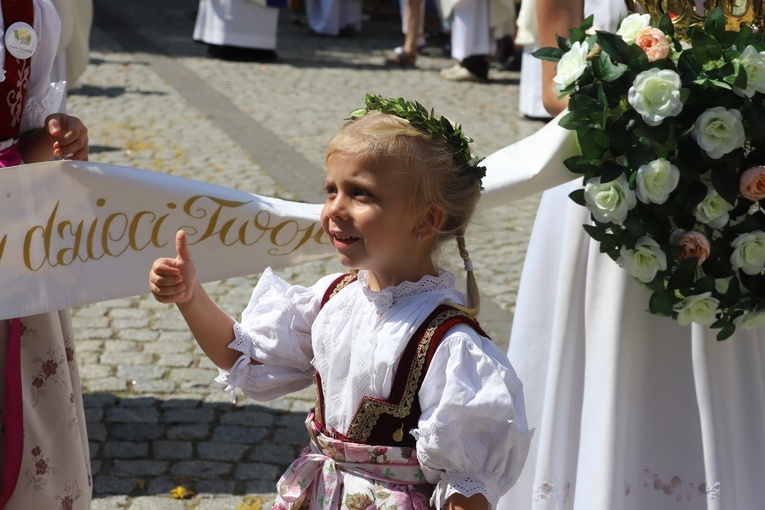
[153,99]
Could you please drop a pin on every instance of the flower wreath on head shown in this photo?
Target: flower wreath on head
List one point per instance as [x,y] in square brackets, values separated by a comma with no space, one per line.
[671,140]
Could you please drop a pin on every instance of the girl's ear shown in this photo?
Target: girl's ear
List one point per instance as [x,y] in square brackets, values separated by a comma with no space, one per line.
[431,222]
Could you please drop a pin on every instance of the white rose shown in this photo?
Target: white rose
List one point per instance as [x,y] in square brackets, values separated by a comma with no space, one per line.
[610,201]
[753,320]
[631,25]
[655,95]
[754,64]
[713,210]
[700,309]
[719,131]
[571,65]
[644,261]
[656,180]
[749,252]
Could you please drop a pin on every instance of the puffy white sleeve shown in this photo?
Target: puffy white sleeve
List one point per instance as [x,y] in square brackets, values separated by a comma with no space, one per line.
[275,331]
[472,436]
[43,97]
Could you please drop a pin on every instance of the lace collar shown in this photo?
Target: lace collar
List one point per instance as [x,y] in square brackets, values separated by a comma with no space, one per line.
[389,296]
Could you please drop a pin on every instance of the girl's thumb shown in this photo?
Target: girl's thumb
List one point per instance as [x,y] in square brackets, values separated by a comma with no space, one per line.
[182,246]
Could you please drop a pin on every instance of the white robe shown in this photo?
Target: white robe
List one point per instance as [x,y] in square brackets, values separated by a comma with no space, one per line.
[329,17]
[240,23]
[472,435]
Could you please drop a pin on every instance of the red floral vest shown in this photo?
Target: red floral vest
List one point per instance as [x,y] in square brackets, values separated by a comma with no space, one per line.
[13,89]
[387,422]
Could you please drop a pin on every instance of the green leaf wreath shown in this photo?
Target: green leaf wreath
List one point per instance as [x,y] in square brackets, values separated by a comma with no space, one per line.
[672,152]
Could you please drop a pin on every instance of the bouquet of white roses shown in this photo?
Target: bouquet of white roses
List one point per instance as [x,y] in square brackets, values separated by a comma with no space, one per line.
[672,150]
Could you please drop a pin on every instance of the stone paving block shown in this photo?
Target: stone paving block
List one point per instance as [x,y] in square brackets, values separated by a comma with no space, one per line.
[239,435]
[201,468]
[200,415]
[156,503]
[154,386]
[175,360]
[172,450]
[216,501]
[134,330]
[258,471]
[132,415]
[189,432]
[293,436]
[272,453]
[96,431]
[103,384]
[221,451]
[136,431]
[125,450]
[109,484]
[141,372]
[139,468]
[250,416]
[110,503]
[116,345]
[126,358]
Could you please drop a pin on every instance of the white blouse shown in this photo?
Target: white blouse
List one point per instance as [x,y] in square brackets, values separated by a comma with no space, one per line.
[43,97]
[472,435]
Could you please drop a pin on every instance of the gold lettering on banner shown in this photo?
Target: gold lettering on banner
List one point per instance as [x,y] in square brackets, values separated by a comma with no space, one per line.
[117,233]
[62,242]
[286,236]
[2,246]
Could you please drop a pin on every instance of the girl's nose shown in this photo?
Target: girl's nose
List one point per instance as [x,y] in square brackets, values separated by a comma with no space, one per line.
[338,208]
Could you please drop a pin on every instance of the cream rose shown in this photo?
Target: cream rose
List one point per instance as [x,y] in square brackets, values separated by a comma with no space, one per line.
[753,63]
[656,180]
[571,65]
[655,95]
[752,183]
[713,210]
[749,252]
[695,244]
[719,131]
[654,43]
[700,309]
[753,320]
[611,201]
[644,261]
[631,26]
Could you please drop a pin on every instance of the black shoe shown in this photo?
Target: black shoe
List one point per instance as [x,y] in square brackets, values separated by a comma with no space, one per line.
[239,54]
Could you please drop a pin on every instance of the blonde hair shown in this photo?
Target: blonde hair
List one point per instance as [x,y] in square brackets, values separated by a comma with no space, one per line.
[436,177]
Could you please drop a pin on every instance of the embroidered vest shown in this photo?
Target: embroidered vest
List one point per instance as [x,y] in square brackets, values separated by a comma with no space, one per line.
[13,89]
[387,422]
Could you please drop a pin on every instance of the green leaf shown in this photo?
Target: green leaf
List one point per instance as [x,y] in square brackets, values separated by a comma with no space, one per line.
[704,47]
[661,303]
[609,243]
[745,37]
[576,34]
[610,170]
[578,196]
[578,164]
[637,59]
[715,22]
[548,53]
[563,43]
[726,331]
[684,274]
[604,68]
[666,25]
[587,23]
[615,46]
[597,232]
[726,183]
[593,143]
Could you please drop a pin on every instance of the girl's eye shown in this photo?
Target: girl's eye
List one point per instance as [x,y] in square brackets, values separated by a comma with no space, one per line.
[360,192]
[330,190]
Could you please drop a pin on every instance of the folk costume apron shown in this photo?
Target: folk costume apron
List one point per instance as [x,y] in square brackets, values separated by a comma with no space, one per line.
[43,443]
[375,463]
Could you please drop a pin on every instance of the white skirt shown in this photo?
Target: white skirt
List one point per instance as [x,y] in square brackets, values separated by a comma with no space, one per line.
[238,23]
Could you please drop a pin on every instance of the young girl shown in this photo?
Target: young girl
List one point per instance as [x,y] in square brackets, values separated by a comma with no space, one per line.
[414,402]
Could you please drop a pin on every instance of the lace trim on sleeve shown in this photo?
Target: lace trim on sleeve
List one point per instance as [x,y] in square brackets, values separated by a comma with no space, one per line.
[37,108]
[472,475]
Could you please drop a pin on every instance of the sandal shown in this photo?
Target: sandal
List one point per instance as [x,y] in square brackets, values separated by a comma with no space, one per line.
[402,60]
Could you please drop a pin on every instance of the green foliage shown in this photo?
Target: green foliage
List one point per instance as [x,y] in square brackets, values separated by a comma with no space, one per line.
[426,121]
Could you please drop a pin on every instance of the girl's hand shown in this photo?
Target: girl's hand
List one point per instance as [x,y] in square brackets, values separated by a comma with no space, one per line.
[69,135]
[174,280]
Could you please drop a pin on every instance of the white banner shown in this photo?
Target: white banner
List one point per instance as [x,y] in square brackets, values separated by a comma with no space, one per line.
[73,233]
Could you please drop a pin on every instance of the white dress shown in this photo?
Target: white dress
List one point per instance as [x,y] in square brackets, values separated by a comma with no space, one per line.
[632,411]
[55,462]
[329,17]
[472,434]
[240,23]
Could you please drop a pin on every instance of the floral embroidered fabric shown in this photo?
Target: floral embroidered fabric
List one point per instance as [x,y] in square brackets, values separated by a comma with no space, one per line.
[333,474]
